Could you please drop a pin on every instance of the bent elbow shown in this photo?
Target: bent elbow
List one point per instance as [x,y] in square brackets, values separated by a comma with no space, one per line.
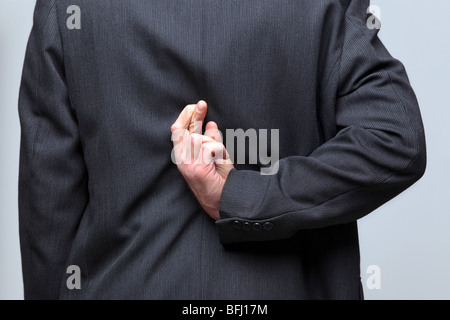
[418,161]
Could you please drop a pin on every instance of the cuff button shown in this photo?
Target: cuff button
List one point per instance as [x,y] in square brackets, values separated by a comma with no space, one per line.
[246,226]
[257,226]
[268,226]
[236,224]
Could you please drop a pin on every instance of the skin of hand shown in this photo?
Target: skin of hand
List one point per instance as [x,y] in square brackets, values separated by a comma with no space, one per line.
[202,159]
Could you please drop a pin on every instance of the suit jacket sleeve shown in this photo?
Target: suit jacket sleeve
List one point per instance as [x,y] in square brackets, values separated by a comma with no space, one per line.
[378,151]
[53,179]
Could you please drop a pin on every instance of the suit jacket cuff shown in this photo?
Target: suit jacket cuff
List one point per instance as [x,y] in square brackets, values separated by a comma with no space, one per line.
[241,197]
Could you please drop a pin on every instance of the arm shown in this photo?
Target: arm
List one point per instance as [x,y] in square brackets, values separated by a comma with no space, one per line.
[378,152]
[53,179]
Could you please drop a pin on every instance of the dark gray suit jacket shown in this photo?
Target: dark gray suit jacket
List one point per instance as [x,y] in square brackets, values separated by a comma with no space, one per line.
[98,188]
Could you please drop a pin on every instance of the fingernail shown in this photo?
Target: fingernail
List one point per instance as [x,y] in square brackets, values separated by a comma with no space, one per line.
[200,106]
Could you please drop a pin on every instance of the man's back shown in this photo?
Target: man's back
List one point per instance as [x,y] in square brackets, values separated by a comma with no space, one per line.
[98,186]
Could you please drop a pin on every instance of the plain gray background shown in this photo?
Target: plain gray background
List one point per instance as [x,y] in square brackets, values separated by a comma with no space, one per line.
[408,238]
